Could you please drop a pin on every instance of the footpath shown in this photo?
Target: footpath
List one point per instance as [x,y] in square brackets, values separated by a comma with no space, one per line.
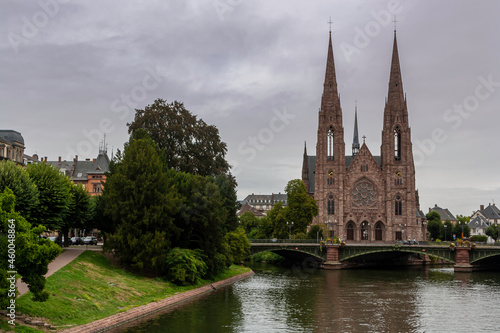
[69,254]
[139,312]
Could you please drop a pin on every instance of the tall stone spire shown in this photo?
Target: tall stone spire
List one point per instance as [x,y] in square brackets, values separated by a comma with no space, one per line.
[395,95]
[355,139]
[330,100]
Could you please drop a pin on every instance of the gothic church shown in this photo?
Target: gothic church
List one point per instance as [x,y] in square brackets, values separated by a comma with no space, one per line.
[361,197]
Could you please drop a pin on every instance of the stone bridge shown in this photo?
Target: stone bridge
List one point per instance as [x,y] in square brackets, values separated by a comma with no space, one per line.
[333,256]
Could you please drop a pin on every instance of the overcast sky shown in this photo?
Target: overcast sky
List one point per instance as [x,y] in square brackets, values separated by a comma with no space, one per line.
[72,70]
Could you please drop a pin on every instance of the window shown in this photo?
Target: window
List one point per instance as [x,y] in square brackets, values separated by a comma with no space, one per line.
[97,188]
[330,142]
[364,168]
[398,181]
[398,206]
[397,143]
[331,205]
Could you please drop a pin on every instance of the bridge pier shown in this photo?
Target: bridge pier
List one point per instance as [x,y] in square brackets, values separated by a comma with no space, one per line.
[462,262]
[332,257]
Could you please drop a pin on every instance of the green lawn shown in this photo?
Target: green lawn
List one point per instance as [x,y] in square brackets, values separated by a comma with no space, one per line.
[90,288]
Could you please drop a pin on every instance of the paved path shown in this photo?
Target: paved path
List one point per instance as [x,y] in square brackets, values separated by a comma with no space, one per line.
[62,260]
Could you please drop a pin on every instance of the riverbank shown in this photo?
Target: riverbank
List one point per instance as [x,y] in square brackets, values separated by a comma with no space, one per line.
[147,310]
[90,288]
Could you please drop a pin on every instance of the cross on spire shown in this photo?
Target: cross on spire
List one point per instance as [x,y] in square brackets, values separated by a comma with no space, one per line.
[394,21]
[330,23]
[364,137]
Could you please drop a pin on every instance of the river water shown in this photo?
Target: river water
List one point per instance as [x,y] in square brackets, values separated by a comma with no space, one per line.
[363,300]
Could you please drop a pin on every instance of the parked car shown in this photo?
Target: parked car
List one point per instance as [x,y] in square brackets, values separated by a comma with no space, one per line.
[76,240]
[52,238]
[89,240]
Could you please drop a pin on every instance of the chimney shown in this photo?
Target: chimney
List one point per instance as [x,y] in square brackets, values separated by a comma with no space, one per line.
[46,159]
[76,158]
[481,207]
[93,161]
[59,159]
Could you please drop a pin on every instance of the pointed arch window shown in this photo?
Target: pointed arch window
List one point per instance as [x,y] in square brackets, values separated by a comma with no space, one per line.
[330,144]
[398,205]
[397,143]
[331,205]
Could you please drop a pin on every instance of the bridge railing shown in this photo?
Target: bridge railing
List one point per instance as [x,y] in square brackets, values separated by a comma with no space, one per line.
[295,241]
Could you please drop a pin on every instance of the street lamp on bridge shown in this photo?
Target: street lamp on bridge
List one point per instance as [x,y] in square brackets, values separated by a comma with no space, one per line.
[290,225]
[445,226]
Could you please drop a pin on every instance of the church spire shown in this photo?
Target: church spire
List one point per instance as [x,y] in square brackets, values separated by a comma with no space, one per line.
[395,94]
[355,139]
[330,94]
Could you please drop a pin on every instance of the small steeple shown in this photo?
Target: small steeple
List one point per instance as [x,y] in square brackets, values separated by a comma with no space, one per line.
[305,168]
[355,140]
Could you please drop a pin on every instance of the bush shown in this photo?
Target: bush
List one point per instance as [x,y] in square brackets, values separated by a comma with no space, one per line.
[313,232]
[300,235]
[185,266]
[239,245]
[479,238]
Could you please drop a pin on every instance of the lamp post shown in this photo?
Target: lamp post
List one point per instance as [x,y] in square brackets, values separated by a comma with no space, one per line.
[498,231]
[289,229]
[425,230]
[445,226]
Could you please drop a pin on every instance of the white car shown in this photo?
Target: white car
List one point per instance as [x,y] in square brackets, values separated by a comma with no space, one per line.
[89,240]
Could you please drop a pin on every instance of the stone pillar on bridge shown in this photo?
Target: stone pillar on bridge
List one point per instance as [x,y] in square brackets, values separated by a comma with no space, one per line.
[462,262]
[332,257]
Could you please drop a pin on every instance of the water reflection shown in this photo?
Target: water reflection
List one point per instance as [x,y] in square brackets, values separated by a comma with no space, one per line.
[288,300]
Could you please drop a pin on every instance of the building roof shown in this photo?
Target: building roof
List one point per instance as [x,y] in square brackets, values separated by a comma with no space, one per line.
[245,207]
[270,199]
[444,213]
[479,222]
[12,137]
[78,170]
[491,212]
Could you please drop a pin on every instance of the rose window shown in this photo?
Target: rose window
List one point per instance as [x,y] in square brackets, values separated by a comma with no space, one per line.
[364,194]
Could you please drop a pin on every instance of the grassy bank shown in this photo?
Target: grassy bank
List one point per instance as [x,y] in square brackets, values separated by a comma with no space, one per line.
[90,288]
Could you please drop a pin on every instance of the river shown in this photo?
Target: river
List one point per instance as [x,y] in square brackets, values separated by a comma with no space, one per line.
[278,299]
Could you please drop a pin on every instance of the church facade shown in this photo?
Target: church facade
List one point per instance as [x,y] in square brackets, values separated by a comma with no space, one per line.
[362,197]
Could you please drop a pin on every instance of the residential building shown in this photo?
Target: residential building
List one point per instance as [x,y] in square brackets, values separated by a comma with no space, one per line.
[12,146]
[444,213]
[265,202]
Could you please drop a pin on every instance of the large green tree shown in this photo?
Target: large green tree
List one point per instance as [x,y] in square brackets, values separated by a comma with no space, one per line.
[17,179]
[277,217]
[301,208]
[190,145]
[53,194]
[80,210]
[201,220]
[434,224]
[140,201]
[30,254]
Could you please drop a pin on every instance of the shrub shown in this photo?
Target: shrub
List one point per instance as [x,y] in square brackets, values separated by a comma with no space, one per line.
[479,238]
[185,266]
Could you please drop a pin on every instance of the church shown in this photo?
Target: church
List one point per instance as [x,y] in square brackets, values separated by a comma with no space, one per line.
[362,197]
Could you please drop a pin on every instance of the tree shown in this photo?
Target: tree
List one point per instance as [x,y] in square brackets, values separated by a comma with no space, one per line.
[239,245]
[493,231]
[278,221]
[315,232]
[32,253]
[227,188]
[17,179]
[79,210]
[53,194]
[200,222]
[458,230]
[448,230]
[301,207]
[249,221]
[434,224]
[141,203]
[189,144]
